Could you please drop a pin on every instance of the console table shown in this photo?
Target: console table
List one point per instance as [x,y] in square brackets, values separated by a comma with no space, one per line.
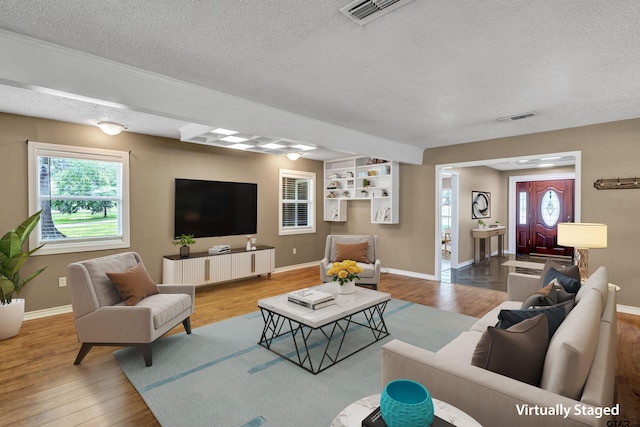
[482,242]
[204,268]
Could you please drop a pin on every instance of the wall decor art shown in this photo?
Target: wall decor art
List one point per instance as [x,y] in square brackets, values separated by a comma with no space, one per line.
[480,204]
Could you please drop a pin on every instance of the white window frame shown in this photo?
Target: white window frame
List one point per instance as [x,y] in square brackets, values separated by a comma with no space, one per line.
[311,176]
[41,149]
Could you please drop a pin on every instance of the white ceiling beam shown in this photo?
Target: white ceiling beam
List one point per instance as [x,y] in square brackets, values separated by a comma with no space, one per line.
[36,65]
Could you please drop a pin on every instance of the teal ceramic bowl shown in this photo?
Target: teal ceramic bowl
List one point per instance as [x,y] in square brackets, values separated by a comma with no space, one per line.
[406,403]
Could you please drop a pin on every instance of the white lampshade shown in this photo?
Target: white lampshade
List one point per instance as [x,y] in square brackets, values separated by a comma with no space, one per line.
[582,235]
[294,156]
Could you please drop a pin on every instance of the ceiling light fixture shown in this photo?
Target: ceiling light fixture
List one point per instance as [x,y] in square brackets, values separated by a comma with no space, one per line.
[294,156]
[223,131]
[304,147]
[545,165]
[111,128]
[240,146]
[272,146]
[234,139]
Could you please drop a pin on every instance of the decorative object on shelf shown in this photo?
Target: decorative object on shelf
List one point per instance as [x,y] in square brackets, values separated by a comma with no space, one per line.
[481,224]
[616,183]
[248,248]
[253,243]
[345,272]
[333,213]
[366,183]
[346,194]
[582,236]
[480,204]
[184,240]
[406,403]
[364,193]
[11,262]
[333,185]
[331,195]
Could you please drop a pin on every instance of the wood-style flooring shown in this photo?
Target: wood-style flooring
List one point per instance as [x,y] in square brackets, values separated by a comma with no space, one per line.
[40,386]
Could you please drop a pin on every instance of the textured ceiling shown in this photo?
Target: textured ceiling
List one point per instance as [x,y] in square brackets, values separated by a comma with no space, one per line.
[428,74]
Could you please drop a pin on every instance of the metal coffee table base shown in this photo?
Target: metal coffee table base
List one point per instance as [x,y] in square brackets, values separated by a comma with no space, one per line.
[332,336]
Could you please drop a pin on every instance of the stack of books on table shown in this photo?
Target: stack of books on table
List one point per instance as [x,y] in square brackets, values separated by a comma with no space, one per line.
[375,420]
[311,298]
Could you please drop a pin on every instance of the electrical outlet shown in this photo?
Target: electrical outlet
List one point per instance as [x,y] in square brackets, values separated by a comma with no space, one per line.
[62,282]
[294,251]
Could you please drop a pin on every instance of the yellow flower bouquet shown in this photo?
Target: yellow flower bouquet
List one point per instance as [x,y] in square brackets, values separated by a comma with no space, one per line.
[344,271]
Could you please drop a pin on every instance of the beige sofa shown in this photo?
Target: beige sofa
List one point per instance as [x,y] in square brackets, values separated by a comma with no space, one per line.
[578,373]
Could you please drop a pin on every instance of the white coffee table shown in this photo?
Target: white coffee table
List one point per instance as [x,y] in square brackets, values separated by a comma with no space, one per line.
[352,415]
[319,338]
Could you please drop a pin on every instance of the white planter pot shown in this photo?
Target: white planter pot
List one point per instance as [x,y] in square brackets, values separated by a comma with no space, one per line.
[11,316]
[347,288]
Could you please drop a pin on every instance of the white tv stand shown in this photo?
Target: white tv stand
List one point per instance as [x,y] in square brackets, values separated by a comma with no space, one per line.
[203,268]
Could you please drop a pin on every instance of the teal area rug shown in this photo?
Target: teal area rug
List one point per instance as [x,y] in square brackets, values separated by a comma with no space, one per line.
[220,376]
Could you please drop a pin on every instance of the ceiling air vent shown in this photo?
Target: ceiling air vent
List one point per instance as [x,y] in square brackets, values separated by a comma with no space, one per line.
[517,117]
[365,11]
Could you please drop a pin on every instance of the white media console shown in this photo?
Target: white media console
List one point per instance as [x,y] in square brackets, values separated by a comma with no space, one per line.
[204,268]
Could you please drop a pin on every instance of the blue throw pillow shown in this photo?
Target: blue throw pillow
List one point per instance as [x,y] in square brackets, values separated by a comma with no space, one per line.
[569,284]
[555,316]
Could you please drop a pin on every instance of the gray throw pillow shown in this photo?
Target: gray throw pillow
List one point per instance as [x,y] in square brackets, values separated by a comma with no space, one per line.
[570,284]
[555,316]
[517,352]
[571,271]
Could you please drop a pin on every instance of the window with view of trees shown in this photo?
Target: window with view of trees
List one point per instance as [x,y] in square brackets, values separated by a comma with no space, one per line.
[297,193]
[83,195]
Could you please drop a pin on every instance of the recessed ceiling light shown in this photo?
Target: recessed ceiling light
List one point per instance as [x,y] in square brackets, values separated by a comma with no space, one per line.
[233,139]
[545,165]
[240,146]
[272,146]
[523,160]
[304,147]
[223,131]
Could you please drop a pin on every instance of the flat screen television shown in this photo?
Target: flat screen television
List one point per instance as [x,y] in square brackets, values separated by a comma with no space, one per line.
[215,208]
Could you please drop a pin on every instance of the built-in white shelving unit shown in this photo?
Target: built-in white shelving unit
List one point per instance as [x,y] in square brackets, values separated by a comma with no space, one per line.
[362,178]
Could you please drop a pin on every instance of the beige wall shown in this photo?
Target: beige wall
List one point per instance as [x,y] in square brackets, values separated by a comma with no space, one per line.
[154,164]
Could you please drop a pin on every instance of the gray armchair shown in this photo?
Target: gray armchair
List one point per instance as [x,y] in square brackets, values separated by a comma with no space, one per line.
[370,270]
[102,316]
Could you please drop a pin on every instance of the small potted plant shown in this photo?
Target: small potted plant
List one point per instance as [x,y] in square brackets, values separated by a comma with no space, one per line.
[12,259]
[482,224]
[184,240]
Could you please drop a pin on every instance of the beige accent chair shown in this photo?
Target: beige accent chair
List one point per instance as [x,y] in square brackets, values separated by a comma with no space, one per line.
[370,271]
[103,318]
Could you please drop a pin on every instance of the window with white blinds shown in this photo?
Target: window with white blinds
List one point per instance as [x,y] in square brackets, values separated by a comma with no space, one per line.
[83,195]
[297,195]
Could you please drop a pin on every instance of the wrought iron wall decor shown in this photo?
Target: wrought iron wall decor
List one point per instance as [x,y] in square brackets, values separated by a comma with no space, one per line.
[616,183]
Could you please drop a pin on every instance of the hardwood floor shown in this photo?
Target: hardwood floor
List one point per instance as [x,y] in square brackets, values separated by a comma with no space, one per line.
[41,386]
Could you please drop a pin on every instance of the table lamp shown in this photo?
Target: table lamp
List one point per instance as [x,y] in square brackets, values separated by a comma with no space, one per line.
[582,236]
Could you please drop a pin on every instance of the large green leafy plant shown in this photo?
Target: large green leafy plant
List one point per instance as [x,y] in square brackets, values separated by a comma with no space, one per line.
[12,258]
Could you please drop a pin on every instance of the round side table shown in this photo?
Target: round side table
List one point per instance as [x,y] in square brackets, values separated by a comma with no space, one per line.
[352,415]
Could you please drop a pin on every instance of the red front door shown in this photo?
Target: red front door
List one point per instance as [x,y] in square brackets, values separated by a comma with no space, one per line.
[541,205]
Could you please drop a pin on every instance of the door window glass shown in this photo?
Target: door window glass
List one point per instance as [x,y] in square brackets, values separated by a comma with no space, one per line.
[550,208]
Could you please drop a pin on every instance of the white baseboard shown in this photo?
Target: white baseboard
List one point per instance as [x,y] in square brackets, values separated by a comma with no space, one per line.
[37,314]
[409,273]
[298,266]
[628,309]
